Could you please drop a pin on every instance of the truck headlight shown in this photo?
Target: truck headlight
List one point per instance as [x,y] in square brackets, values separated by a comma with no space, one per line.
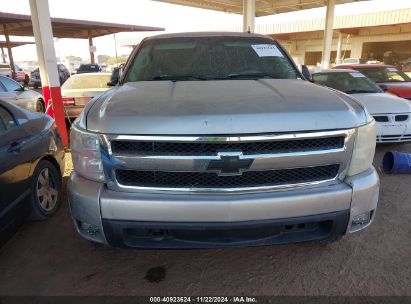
[364,149]
[85,153]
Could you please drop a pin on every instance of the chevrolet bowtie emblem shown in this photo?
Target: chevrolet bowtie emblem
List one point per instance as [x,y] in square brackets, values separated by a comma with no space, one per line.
[230,163]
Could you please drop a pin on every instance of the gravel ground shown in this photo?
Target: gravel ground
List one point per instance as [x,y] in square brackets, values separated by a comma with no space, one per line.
[49,258]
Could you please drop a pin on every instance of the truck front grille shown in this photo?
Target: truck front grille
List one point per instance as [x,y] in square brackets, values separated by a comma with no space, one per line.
[211,180]
[233,163]
[201,148]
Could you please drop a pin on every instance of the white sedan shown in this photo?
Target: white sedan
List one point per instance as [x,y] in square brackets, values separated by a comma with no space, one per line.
[79,89]
[392,114]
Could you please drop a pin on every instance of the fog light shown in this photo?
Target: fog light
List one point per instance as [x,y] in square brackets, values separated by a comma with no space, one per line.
[360,221]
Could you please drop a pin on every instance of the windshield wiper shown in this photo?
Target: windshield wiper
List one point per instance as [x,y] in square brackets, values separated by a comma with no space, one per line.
[202,77]
[359,91]
[180,77]
[258,75]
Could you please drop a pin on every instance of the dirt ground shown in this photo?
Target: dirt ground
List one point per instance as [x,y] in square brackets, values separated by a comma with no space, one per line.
[49,258]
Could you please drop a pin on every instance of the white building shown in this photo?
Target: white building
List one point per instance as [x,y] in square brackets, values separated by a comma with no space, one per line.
[383,36]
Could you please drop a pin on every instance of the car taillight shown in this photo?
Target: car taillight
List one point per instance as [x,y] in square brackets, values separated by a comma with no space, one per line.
[68,101]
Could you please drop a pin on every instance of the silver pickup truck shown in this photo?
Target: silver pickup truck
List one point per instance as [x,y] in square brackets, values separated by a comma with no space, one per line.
[218,140]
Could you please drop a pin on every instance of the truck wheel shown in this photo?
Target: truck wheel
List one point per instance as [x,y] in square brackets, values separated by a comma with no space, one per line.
[45,191]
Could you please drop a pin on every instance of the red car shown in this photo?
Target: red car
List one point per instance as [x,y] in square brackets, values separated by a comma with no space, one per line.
[21,76]
[395,81]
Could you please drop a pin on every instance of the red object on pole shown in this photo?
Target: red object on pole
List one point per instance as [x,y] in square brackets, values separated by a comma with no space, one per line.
[47,101]
[58,107]
[43,34]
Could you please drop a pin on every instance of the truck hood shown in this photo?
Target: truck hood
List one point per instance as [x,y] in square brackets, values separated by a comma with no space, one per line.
[222,107]
[383,103]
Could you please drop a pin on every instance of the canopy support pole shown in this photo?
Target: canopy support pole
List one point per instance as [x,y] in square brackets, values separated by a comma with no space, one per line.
[339,48]
[249,16]
[3,55]
[91,47]
[10,53]
[50,80]
[328,34]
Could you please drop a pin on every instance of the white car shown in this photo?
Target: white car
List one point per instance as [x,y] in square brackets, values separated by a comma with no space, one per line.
[79,89]
[392,113]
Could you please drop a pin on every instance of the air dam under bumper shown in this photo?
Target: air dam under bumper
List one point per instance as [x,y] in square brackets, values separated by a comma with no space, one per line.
[149,220]
[215,235]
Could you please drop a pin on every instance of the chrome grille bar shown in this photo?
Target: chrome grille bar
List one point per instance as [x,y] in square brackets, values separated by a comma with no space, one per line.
[261,161]
[199,163]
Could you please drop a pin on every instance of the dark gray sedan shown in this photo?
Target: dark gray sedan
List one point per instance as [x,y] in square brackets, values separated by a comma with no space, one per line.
[31,167]
[15,93]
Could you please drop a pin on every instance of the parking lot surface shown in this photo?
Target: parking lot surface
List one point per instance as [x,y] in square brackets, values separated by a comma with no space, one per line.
[49,258]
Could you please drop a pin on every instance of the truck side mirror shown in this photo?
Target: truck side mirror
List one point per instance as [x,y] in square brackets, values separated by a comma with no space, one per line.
[112,83]
[120,70]
[115,77]
[306,73]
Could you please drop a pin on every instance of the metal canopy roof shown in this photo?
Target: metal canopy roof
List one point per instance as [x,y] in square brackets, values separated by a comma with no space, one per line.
[20,25]
[3,44]
[263,7]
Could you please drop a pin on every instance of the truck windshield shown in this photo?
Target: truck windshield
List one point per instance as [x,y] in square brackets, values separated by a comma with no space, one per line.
[350,83]
[210,58]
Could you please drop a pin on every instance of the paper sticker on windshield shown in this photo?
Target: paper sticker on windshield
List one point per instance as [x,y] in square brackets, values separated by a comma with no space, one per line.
[392,69]
[357,75]
[267,50]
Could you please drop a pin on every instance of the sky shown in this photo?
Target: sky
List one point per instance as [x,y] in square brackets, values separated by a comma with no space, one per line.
[173,18]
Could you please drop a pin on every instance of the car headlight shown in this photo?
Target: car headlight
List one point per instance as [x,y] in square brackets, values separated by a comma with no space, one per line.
[85,153]
[364,149]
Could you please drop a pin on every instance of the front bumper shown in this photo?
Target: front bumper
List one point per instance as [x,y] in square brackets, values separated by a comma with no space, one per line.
[197,221]
[394,132]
